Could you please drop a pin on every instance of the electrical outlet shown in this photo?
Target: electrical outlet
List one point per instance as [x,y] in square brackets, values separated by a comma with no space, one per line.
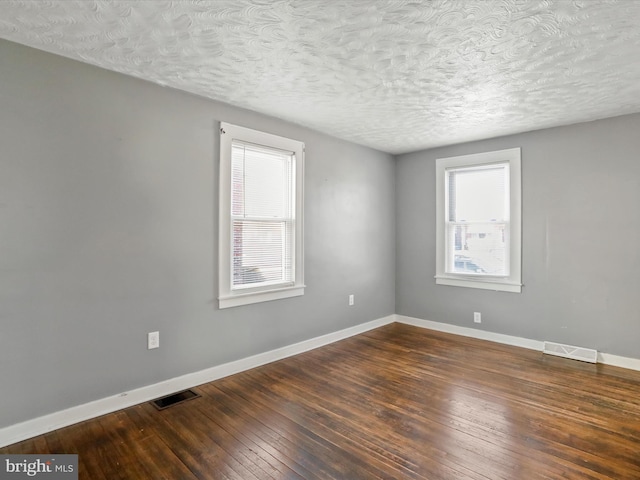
[352,300]
[477,317]
[153,340]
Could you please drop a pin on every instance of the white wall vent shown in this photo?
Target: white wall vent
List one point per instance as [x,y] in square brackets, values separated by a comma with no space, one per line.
[569,351]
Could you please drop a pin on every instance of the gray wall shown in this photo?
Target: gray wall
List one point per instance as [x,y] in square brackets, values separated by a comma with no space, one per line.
[108,207]
[581,237]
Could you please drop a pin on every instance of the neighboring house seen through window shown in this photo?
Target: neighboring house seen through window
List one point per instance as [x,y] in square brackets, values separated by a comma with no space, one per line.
[478,221]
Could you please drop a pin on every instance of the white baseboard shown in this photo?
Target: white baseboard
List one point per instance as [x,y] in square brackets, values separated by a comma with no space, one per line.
[472,332]
[38,426]
[604,358]
[618,361]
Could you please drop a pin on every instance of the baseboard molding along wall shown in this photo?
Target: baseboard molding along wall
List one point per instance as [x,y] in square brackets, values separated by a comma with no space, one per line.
[38,426]
[605,358]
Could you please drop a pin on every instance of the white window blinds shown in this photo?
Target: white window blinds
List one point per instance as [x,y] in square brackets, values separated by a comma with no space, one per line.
[262,216]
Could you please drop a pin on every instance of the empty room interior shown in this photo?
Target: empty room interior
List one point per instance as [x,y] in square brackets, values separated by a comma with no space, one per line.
[252,239]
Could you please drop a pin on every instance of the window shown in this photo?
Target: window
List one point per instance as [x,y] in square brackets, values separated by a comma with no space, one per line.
[261,181]
[478,225]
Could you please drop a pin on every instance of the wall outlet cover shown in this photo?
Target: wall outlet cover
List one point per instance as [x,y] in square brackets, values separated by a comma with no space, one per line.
[153,340]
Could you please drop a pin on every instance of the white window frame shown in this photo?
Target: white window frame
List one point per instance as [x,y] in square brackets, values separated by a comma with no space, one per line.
[227,296]
[511,282]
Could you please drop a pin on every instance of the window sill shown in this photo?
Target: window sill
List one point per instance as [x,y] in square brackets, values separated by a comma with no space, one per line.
[485,284]
[239,299]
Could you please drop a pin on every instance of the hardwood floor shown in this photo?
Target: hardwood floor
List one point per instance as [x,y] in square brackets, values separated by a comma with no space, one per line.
[396,402]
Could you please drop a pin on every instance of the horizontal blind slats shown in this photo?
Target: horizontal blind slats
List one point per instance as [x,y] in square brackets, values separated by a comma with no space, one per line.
[262,216]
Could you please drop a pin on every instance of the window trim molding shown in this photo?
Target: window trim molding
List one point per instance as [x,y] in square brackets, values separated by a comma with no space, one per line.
[513,282]
[226,296]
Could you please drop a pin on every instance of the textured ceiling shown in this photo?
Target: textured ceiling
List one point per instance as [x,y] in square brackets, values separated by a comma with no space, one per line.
[396,75]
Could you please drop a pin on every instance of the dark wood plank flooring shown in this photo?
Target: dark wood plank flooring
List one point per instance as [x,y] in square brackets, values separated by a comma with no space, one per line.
[396,402]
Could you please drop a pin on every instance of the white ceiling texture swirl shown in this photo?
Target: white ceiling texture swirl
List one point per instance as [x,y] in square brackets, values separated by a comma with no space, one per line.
[396,75]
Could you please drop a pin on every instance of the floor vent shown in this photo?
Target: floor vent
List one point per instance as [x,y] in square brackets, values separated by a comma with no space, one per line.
[174,399]
[569,351]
